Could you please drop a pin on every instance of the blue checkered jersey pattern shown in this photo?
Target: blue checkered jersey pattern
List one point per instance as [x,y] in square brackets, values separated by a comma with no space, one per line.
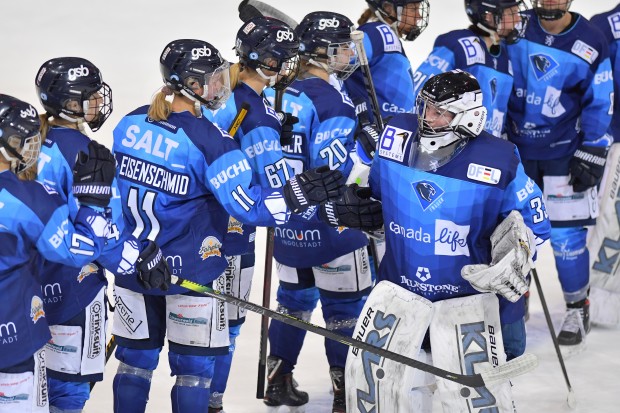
[72,289]
[390,69]
[35,223]
[463,49]
[562,95]
[609,24]
[436,222]
[323,136]
[179,181]
[259,139]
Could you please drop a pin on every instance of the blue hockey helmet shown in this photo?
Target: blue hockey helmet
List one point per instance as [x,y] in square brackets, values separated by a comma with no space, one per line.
[325,41]
[20,139]
[408,18]
[555,11]
[73,89]
[266,44]
[450,112]
[188,65]
[506,17]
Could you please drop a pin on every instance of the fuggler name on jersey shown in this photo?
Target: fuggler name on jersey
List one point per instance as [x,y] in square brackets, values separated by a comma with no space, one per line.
[152,175]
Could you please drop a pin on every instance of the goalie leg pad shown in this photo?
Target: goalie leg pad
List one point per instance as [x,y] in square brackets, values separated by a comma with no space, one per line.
[466,336]
[395,319]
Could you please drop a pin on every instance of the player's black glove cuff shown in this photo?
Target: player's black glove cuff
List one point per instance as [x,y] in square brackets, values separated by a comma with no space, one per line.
[368,137]
[287,120]
[587,167]
[354,209]
[153,271]
[312,187]
[93,175]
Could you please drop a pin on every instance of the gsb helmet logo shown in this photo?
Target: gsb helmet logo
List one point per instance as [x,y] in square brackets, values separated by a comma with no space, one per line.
[328,23]
[28,112]
[282,35]
[201,52]
[76,72]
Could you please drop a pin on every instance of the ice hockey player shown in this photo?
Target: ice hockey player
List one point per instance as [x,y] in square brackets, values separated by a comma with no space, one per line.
[461,217]
[267,51]
[314,260]
[180,178]
[38,224]
[72,91]
[385,24]
[481,51]
[558,116]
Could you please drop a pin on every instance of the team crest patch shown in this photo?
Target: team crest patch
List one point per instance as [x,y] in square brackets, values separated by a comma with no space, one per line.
[235,226]
[427,192]
[36,309]
[210,248]
[87,270]
[544,66]
[483,173]
[340,229]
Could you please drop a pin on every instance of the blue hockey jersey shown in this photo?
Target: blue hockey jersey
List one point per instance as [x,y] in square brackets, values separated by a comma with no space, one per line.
[34,222]
[609,24]
[259,139]
[323,136]
[68,290]
[465,50]
[562,90]
[436,222]
[179,181]
[390,69]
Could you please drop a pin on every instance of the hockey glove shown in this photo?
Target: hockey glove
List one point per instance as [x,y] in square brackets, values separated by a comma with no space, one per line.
[153,271]
[93,175]
[312,187]
[367,138]
[287,120]
[512,250]
[587,167]
[354,209]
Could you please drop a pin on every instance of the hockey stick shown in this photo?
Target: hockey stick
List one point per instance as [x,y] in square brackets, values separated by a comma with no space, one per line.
[264,324]
[239,117]
[249,9]
[500,374]
[109,349]
[571,400]
[358,39]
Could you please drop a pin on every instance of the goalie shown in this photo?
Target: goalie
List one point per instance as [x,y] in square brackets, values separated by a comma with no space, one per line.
[461,217]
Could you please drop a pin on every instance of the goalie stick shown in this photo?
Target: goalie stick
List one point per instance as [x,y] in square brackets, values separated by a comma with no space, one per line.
[513,368]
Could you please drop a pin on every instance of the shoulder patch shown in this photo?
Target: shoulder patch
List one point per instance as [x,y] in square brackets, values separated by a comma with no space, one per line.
[474,53]
[585,51]
[391,43]
[614,23]
[483,173]
[393,143]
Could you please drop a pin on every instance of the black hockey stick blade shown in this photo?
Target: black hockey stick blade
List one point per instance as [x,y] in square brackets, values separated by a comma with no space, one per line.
[249,9]
[511,369]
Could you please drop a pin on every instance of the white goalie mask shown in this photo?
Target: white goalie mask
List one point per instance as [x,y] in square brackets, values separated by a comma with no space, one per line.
[450,112]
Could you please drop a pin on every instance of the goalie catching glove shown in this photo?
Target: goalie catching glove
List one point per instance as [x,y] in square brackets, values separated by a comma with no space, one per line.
[153,271]
[512,250]
[93,175]
[354,209]
[312,187]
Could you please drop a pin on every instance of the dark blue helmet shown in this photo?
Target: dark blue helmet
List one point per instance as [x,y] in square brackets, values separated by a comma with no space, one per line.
[501,13]
[20,140]
[268,44]
[408,18]
[551,13]
[189,65]
[325,41]
[72,88]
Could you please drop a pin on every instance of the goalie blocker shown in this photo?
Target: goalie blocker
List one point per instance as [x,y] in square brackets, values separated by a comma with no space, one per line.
[465,335]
